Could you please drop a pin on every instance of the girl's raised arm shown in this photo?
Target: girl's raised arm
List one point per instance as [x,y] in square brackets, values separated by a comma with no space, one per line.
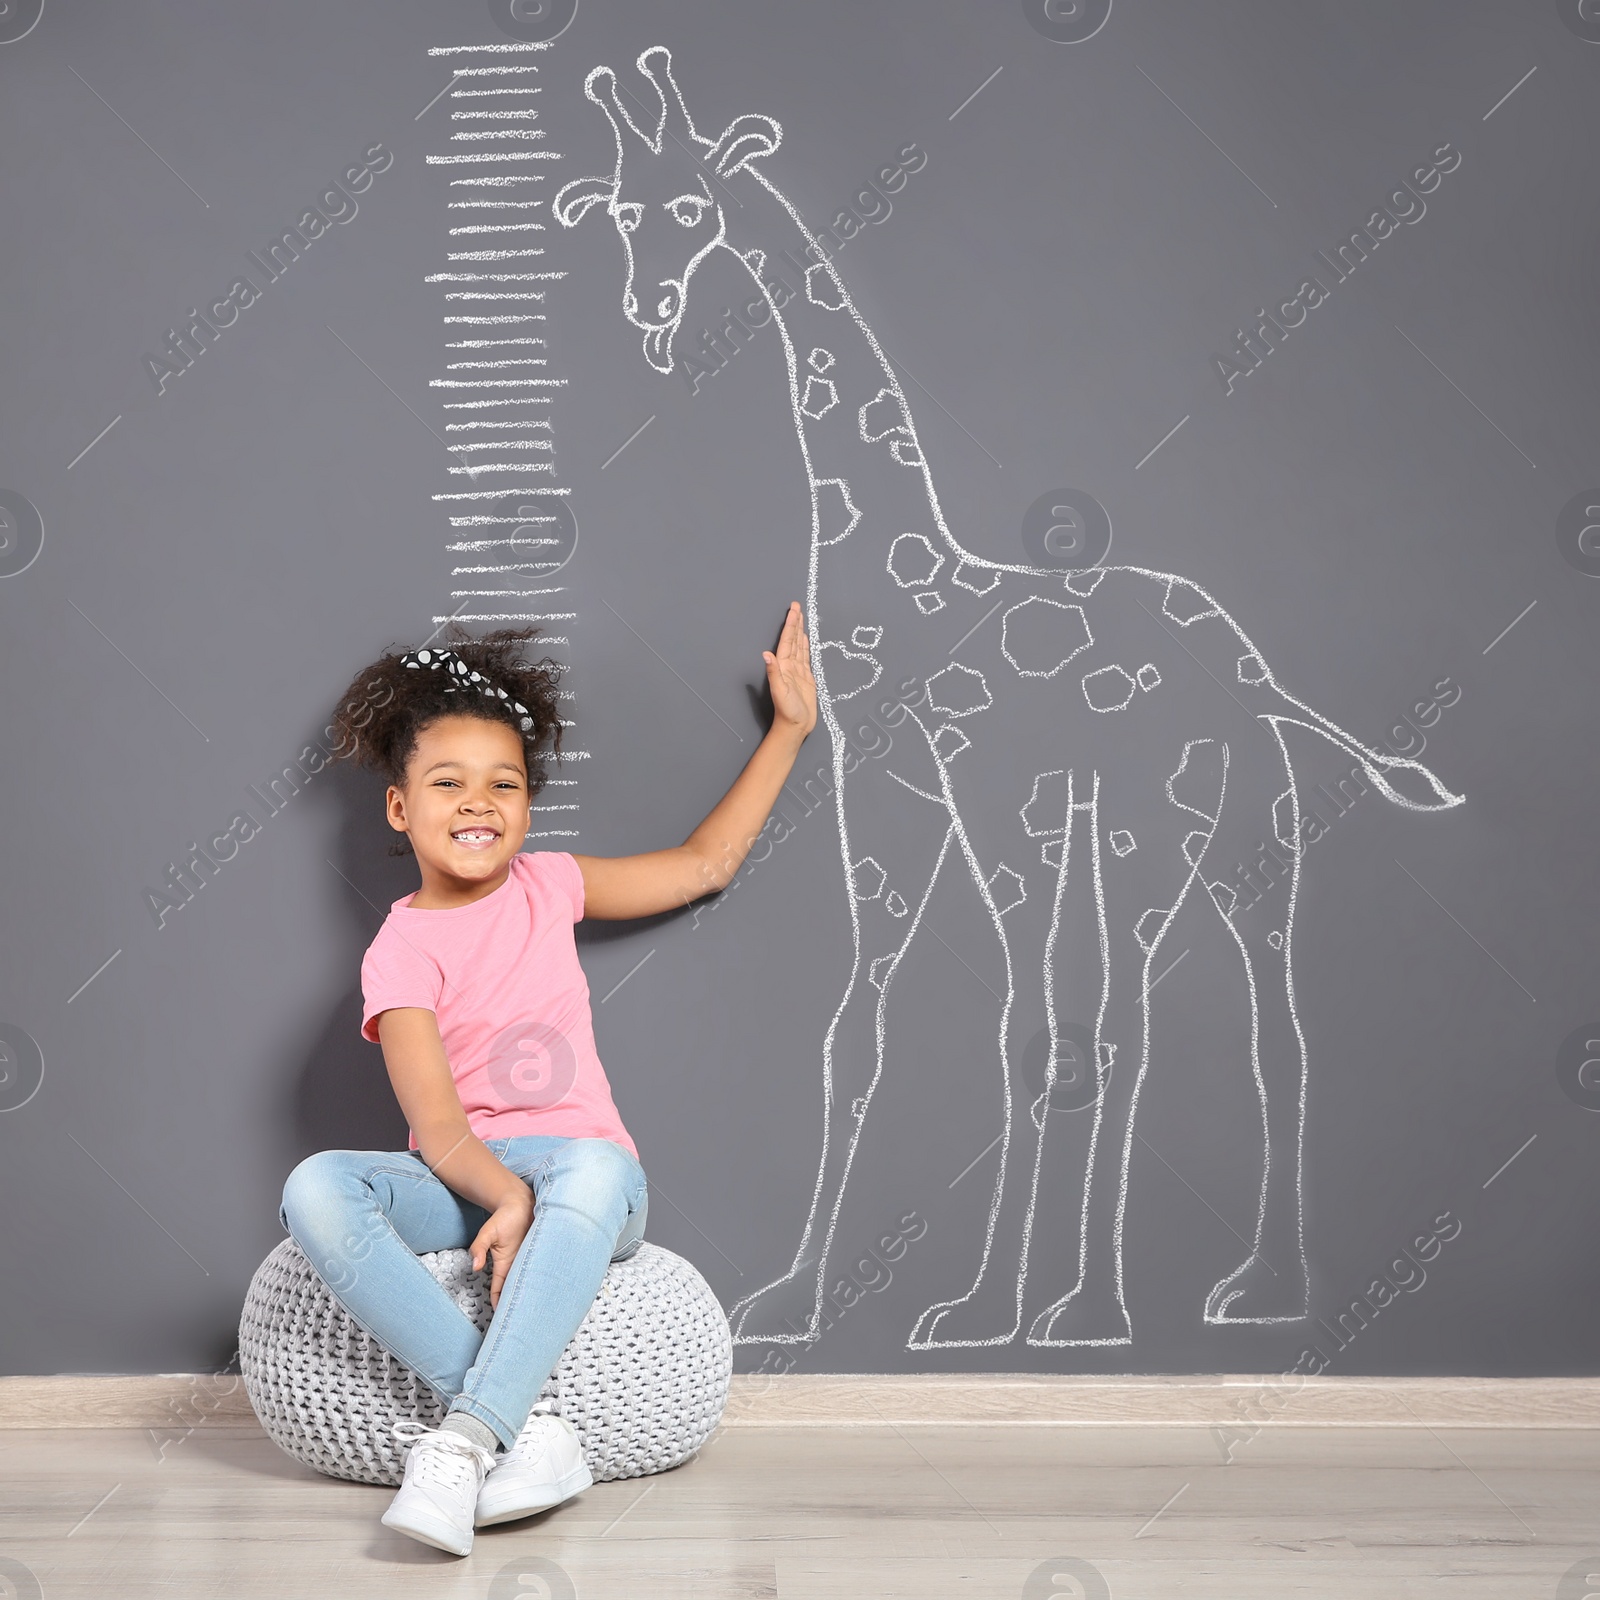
[658,880]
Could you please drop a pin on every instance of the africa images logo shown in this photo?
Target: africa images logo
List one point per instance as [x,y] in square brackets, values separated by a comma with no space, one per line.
[532,1065]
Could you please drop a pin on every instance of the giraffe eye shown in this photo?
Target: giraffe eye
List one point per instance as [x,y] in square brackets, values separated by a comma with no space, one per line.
[687,209]
[629,214]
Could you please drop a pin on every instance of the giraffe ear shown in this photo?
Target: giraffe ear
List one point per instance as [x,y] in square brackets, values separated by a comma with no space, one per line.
[745,139]
[578,196]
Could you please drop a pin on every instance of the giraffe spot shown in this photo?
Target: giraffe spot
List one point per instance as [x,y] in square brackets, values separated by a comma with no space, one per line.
[882,415]
[1044,815]
[1196,785]
[913,561]
[1106,1055]
[980,580]
[836,511]
[1148,676]
[819,399]
[1275,939]
[1122,842]
[866,636]
[1187,602]
[868,877]
[1283,820]
[1194,846]
[820,360]
[894,905]
[1222,897]
[958,691]
[846,672]
[1085,583]
[949,741]
[755,260]
[878,972]
[822,288]
[929,601]
[1005,889]
[1148,929]
[906,453]
[1039,637]
[858,1106]
[1050,852]
[1108,689]
[1252,669]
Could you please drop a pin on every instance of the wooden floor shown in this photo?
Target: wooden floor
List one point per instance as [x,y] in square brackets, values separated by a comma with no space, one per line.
[806,1513]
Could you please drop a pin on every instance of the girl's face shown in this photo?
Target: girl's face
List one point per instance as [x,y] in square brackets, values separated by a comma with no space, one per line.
[464,805]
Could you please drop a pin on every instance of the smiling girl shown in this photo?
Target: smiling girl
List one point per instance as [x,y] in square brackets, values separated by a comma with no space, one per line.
[474,990]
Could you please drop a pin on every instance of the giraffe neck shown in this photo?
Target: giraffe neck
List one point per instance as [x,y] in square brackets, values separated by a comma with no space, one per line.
[851,416]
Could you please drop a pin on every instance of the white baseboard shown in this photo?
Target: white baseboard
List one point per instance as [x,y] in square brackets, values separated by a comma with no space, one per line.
[179,1400]
[1165,1402]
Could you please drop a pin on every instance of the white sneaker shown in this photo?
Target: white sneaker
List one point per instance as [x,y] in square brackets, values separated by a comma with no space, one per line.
[444,1472]
[544,1467]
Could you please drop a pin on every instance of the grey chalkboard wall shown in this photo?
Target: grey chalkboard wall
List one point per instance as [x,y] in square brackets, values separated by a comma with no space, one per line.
[1292,305]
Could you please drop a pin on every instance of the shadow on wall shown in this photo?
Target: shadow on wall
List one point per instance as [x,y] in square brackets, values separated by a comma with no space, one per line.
[340,1098]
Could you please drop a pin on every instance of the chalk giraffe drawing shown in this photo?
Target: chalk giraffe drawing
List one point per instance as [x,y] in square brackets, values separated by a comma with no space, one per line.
[1093,727]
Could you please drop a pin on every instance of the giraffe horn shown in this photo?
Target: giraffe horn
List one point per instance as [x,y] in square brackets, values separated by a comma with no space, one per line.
[656,64]
[616,112]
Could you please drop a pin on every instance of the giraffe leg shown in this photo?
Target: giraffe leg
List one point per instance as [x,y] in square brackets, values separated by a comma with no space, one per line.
[1271,1283]
[1140,893]
[990,1312]
[895,843]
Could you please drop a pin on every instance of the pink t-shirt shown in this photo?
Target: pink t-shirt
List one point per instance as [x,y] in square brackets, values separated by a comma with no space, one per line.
[502,976]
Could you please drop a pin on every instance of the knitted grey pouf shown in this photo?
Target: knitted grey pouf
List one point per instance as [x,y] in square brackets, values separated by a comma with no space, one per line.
[643,1381]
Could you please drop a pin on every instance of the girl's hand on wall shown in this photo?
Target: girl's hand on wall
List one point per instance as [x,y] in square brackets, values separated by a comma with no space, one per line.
[501,1236]
[794,690]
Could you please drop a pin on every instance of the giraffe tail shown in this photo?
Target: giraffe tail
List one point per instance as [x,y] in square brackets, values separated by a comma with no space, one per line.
[1399,779]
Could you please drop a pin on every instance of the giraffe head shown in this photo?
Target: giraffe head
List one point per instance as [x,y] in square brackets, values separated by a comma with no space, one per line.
[663,195]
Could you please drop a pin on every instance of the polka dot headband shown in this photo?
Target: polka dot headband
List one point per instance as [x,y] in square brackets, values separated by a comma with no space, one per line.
[465,678]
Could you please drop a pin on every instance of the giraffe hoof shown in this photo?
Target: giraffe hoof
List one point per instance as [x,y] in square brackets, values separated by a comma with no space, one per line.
[1076,1319]
[1254,1292]
[949,1323]
[785,1311]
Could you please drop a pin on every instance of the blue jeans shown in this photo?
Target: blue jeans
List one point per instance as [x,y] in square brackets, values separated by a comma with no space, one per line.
[362,1217]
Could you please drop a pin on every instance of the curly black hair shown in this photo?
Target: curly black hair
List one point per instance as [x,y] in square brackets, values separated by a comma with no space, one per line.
[387,705]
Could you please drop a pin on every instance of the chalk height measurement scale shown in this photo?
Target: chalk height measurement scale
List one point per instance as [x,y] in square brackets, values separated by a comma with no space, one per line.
[512,530]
